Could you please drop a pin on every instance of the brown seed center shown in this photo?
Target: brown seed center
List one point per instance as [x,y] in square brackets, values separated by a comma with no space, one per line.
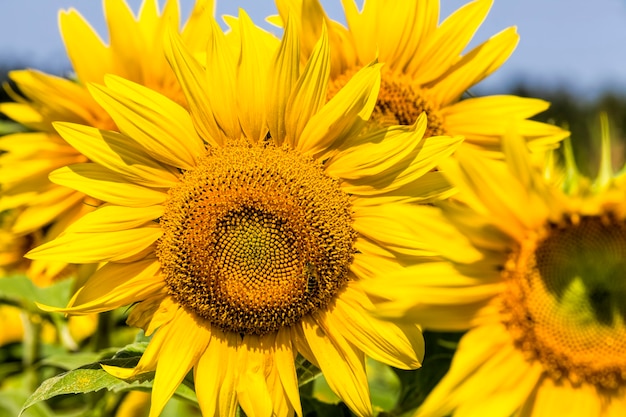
[566,304]
[255,238]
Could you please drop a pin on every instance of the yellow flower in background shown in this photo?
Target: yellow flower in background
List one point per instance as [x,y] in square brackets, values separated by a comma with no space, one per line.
[425,69]
[13,248]
[543,298]
[242,230]
[135,52]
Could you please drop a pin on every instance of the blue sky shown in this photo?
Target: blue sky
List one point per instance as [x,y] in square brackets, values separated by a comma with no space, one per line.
[575,43]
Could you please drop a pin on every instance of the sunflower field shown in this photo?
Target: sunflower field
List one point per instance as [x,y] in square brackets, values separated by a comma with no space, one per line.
[207,218]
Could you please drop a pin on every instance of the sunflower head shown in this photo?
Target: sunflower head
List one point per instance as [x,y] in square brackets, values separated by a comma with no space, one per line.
[242,227]
[428,67]
[536,278]
[256,237]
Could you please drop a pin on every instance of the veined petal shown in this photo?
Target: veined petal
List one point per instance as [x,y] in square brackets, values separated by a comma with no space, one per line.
[186,339]
[413,229]
[125,61]
[150,357]
[309,94]
[110,218]
[85,248]
[16,171]
[507,200]
[344,115]
[160,125]
[71,102]
[119,154]
[284,359]
[253,65]
[341,362]
[384,341]
[420,19]
[428,188]
[475,66]
[364,26]
[430,153]
[253,392]
[484,354]
[448,42]
[282,80]
[114,285]
[372,158]
[195,85]
[214,378]
[153,311]
[79,37]
[105,185]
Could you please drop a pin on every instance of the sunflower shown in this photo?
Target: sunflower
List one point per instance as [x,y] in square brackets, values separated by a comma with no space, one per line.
[544,297]
[135,52]
[242,230]
[425,68]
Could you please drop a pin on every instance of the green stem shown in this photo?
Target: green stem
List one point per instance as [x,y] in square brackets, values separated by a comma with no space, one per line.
[104,330]
[32,345]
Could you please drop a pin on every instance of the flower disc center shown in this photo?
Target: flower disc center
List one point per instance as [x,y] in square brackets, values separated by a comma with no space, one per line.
[255,238]
[400,102]
[567,300]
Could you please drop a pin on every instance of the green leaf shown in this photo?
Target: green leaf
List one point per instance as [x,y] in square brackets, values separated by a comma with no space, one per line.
[22,291]
[11,401]
[92,378]
[69,361]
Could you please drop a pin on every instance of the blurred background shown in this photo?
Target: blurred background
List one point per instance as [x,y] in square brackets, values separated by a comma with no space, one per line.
[571,51]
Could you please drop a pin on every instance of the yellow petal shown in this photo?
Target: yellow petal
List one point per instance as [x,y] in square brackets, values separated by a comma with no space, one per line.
[414,230]
[110,218]
[343,117]
[253,65]
[425,189]
[106,185]
[342,364]
[211,118]
[282,79]
[121,22]
[285,365]
[119,154]
[71,102]
[154,311]
[150,357]
[253,392]
[384,341]
[160,125]
[380,151]
[497,189]
[90,57]
[448,41]
[475,66]
[26,115]
[214,375]
[486,366]
[85,248]
[39,213]
[186,339]
[114,285]
[309,94]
